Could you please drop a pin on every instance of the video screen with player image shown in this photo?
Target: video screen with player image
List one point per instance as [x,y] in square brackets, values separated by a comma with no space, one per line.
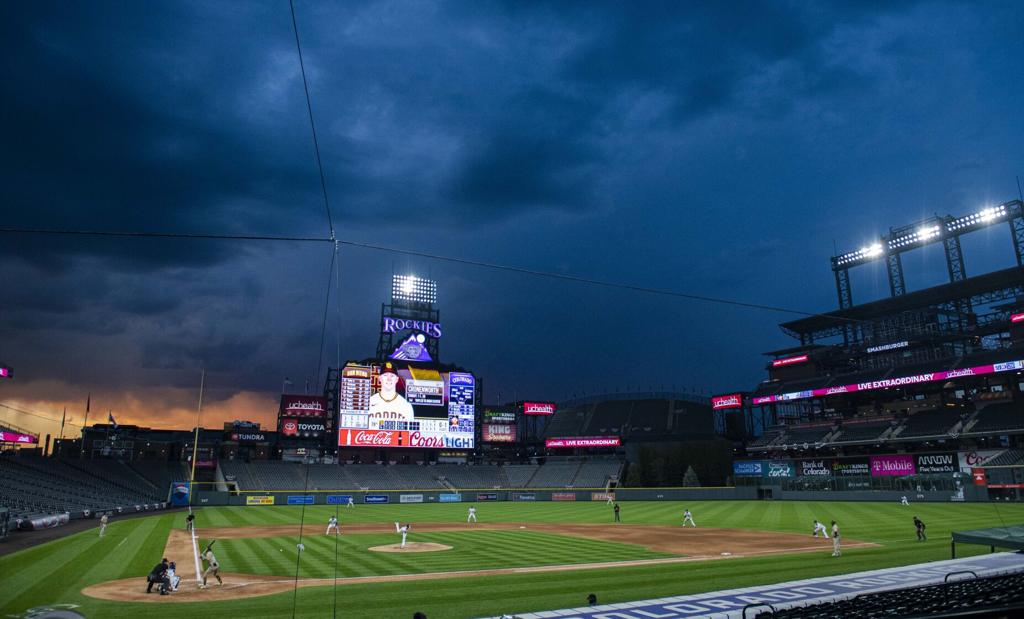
[390,406]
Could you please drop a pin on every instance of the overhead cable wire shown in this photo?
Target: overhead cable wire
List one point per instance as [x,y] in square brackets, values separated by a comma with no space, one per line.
[39,415]
[165,235]
[579,279]
[312,125]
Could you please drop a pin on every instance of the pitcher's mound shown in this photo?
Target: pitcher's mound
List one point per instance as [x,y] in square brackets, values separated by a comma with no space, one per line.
[411,547]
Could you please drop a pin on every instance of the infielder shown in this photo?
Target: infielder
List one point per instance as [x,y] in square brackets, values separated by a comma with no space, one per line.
[212,566]
[404,530]
[819,528]
[836,552]
[904,501]
[688,517]
[332,523]
[103,524]
[472,515]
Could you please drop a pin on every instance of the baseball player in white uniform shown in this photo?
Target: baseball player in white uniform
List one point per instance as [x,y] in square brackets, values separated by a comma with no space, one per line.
[472,515]
[819,528]
[212,567]
[688,517]
[332,523]
[351,503]
[904,501]
[172,576]
[103,524]
[404,530]
[611,499]
[836,552]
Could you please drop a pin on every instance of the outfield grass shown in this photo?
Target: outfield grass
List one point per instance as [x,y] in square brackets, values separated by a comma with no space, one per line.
[54,573]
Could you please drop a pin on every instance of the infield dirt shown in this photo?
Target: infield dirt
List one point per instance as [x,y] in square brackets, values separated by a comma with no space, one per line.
[696,544]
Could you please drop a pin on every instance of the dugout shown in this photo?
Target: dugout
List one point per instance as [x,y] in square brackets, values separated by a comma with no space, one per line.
[1011,537]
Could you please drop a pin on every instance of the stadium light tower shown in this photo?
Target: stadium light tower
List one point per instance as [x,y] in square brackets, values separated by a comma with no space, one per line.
[946,230]
[412,289]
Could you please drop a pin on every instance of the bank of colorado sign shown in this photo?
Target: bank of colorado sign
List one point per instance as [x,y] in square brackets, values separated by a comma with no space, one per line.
[394,325]
[722,402]
[583,441]
[538,408]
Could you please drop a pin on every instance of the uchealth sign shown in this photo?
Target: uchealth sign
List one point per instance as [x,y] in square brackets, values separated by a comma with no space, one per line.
[539,408]
[303,406]
[583,441]
[722,402]
[15,437]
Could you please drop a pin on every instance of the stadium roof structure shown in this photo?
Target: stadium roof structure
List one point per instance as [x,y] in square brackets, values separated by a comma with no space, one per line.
[1011,536]
[1003,285]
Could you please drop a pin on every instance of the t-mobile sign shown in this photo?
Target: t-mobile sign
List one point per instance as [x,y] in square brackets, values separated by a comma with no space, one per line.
[733,400]
[538,408]
[583,441]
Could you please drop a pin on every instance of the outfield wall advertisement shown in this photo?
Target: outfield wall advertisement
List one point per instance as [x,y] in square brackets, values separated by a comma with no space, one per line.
[892,465]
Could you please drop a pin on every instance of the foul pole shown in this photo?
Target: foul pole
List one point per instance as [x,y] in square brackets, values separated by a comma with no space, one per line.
[192,479]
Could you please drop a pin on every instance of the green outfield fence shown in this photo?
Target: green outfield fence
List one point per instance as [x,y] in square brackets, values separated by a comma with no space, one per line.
[481,495]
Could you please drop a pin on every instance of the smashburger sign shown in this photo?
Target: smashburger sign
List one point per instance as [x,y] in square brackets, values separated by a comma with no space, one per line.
[302,427]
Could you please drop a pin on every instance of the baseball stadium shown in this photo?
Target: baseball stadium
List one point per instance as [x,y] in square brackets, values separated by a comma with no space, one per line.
[545,200]
[876,471]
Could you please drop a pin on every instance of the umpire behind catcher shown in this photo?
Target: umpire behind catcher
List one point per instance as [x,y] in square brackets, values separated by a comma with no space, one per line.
[159,575]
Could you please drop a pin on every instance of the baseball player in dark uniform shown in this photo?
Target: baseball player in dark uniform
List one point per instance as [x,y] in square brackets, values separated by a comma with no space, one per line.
[921,536]
[158,575]
[617,519]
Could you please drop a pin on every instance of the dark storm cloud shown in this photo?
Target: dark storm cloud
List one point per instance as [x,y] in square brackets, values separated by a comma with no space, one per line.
[713,147]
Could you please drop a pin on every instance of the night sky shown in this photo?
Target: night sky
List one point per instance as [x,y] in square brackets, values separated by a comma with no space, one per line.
[722,149]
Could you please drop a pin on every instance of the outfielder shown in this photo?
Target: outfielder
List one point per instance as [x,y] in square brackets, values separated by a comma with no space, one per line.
[212,566]
[404,530]
[472,515]
[688,517]
[819,528]
[904,501]
[103,524]
[332,523]
[351,503]
[836,552]
[611,499]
